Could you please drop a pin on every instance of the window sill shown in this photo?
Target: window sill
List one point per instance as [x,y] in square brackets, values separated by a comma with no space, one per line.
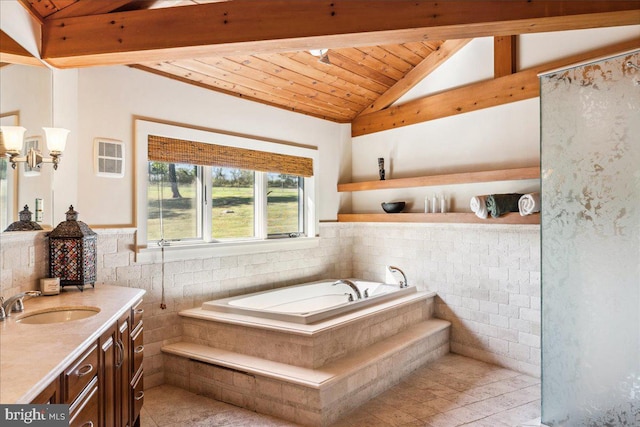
[208,250]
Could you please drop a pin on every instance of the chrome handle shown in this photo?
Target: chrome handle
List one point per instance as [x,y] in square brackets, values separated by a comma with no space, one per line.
[139,311]
[139,349]
[84,370]
[140,395]
[87,424]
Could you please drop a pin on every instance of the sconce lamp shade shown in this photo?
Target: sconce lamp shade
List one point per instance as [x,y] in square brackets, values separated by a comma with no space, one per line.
[56,139]
[12,137]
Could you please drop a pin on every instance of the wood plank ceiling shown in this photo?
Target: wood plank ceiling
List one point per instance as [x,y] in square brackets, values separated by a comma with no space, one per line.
[338,89]
[336,86]
[349,83]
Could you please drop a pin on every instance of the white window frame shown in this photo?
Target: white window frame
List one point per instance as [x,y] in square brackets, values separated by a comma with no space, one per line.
[209,247]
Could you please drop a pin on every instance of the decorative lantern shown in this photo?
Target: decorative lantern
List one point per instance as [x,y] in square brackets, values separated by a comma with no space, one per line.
[25,223]
[73,252]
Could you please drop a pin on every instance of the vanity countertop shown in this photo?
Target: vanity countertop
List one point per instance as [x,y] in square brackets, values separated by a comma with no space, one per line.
[32,356]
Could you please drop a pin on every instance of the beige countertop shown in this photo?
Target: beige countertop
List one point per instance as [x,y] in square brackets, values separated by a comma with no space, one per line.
[31,356]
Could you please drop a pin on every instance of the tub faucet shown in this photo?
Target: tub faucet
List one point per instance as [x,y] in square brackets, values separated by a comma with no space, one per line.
[15,304]
[403,283]
[351,285]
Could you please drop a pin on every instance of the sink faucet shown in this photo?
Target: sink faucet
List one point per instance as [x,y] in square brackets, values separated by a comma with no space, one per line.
[351,285]
[403,283]
[15,304]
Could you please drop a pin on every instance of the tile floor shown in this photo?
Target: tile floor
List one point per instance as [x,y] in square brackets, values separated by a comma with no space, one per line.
[452,391]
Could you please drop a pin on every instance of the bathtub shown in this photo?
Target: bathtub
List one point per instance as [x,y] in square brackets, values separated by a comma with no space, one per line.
[309,302]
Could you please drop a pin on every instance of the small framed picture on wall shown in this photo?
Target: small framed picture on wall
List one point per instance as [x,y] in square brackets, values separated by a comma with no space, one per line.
[109,160]
[31,142]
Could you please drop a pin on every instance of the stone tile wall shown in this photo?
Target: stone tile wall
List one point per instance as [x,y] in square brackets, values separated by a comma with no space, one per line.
[487,278]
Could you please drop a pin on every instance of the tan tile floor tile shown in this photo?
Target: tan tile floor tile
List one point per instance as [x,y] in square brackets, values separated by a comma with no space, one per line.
[452,391]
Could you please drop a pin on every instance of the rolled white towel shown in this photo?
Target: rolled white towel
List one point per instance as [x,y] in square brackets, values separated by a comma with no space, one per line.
[529,203]
[478,206]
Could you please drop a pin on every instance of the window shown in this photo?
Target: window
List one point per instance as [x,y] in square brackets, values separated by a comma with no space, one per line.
[227,191]
[233,195]
[172,195]
[285,205]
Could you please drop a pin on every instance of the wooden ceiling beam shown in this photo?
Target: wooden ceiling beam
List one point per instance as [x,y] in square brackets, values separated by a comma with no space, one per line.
[416,75]
[263,26]
[87,7]
[503,90]
[516,87]
[504,55]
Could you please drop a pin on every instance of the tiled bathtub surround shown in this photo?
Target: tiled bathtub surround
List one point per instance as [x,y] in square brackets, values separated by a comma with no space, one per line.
[290,389]
[487,278]
[306,349]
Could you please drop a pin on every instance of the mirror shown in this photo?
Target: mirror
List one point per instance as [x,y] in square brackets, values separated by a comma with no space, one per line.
[26,100]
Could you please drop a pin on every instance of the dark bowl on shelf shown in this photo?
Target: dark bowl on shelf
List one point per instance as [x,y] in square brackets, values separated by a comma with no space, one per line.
[393,207]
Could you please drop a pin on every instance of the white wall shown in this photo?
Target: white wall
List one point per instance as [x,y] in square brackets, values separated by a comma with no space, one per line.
[111,97]
[506,136]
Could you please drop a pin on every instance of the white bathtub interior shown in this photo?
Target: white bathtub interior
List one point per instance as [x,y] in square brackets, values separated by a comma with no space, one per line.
[308,302]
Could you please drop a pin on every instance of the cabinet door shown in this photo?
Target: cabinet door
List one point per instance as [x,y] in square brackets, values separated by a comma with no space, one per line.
[49,395]
[108,358]
[124,371]
[115,394]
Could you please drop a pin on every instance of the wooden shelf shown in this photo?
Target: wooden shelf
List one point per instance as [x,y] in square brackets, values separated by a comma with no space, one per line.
[449,179]
[451,218]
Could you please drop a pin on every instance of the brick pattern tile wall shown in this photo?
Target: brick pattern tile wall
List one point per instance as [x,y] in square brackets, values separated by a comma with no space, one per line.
[487,279]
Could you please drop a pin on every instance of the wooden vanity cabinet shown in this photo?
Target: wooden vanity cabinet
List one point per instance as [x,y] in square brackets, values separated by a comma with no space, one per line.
[103,386]
[115,393]
[84,410]
[137,353]
[80,388]
[50,395]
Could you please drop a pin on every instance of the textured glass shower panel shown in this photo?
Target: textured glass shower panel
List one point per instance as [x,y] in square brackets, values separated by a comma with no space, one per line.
[590,118]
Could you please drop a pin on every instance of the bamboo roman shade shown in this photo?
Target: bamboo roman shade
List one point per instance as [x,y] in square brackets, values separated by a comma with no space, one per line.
[171,150]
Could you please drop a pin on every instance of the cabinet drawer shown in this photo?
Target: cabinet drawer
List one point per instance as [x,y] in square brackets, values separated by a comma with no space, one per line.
[137,396]
[84,411]
[81,372]
[136,314]
[137,349]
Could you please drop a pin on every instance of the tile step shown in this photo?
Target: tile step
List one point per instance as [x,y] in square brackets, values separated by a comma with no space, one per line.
[318,378]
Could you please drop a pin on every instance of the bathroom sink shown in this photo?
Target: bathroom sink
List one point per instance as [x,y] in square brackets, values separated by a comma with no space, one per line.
[58,315]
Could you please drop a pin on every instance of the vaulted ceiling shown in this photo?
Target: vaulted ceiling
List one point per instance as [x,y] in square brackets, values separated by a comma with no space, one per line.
[372,51]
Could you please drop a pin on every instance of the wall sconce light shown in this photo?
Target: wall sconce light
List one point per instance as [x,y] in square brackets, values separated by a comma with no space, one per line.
[13,136]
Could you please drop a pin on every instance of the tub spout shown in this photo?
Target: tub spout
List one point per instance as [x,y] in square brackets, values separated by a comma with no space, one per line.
[351,285]
[403,283]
